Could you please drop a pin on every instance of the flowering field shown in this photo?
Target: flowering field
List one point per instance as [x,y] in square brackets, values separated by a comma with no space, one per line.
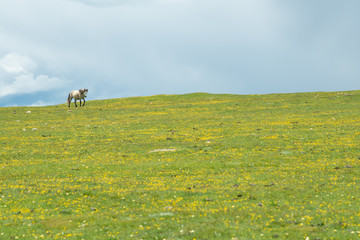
[196,166]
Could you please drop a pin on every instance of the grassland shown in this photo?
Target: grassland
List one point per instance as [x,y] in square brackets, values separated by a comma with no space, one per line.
[196,166]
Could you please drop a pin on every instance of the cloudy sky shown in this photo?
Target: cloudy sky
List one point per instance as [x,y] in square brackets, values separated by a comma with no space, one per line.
[122,48]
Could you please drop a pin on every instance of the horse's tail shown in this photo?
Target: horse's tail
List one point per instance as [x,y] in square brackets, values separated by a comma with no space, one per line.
[69,100]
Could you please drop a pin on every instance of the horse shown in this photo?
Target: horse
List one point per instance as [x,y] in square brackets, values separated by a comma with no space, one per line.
[77,95]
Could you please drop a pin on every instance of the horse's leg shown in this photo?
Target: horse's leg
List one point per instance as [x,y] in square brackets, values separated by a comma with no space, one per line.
[80,102]
[84,102]
[69,100]
[75,102]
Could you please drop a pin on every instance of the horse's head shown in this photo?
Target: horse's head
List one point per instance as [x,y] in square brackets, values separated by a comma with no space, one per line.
[83,92]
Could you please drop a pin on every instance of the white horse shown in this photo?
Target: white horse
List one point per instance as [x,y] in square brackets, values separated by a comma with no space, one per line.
[77,95]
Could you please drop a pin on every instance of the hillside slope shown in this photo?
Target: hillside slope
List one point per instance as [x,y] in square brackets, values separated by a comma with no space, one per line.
[195,166]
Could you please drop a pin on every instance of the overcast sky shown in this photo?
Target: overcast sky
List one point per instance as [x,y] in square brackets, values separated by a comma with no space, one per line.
[122,48]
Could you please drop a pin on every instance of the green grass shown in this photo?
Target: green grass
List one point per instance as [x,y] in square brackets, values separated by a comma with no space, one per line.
[195,166]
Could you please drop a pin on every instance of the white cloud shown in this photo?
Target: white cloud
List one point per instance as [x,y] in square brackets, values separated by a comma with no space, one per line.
[40,104]
[16,63]
[19,77]
[28,83]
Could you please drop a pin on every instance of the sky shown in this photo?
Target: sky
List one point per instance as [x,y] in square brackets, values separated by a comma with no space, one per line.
[126,48]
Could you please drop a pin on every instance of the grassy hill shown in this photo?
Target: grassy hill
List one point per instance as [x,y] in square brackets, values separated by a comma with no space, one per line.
[195,166]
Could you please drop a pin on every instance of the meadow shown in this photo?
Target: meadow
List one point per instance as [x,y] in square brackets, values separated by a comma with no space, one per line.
[194,166]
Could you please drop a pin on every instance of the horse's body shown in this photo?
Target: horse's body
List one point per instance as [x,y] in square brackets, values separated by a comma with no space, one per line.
[77,95]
